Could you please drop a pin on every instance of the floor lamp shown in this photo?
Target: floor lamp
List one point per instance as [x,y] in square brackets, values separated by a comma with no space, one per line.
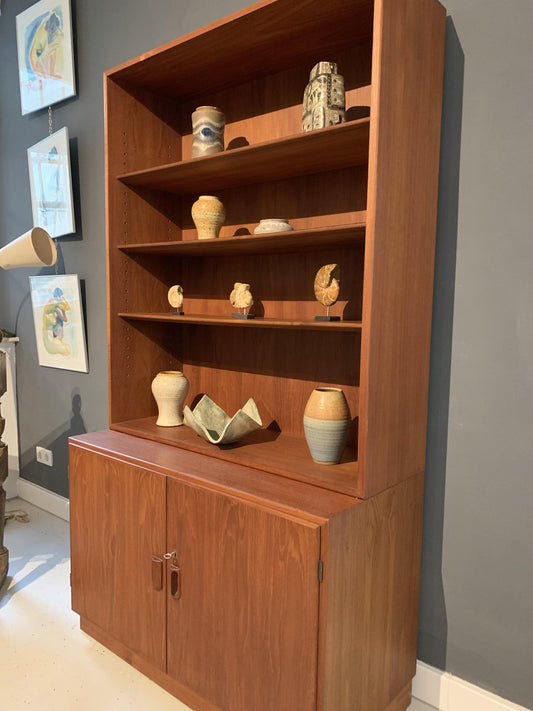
[35,248]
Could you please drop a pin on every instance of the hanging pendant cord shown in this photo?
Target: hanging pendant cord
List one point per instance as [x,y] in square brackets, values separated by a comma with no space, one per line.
[50,129]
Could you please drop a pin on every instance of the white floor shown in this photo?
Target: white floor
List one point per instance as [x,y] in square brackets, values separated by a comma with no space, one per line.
[46,662]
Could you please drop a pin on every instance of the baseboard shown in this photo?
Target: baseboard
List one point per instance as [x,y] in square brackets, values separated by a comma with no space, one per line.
[44,499]
[446,692]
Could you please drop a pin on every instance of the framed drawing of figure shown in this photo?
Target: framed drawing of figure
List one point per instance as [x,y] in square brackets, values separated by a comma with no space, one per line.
[58,321]
[51,184]
[45,54]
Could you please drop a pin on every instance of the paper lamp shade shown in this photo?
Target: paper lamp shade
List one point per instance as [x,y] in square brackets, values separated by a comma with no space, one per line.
[34,248]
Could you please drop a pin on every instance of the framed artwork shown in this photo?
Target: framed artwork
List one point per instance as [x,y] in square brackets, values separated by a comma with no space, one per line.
[51,184]
[58,321]
[45,54]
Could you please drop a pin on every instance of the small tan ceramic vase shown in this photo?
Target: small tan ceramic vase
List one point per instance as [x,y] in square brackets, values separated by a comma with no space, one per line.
[170,388]
[326,422]
[208,214]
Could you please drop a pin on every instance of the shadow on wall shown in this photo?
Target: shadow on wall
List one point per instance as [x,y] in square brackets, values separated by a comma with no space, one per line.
[54,478]
[433,626]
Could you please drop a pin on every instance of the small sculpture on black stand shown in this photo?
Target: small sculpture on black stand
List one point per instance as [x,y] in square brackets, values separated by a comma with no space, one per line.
[327,289]
[175,298]
[241,298]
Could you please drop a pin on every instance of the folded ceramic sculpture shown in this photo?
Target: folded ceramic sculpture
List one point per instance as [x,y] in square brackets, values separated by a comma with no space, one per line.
[211,422]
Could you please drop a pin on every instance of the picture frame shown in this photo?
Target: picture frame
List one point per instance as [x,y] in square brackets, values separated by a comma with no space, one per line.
[45,54]
[58,320]
[51,184]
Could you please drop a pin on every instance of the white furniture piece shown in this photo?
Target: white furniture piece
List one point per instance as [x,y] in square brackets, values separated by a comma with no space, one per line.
[8,403]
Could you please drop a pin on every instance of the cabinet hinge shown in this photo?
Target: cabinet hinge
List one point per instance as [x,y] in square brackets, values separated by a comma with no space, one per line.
[320,571]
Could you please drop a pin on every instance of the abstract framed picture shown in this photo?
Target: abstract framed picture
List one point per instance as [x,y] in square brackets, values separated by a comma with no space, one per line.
[51,184]
[45,54]
[58,321]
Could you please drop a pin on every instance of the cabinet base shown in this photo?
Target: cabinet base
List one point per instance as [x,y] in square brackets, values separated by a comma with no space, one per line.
[162,679]
[402,701]
[188,697]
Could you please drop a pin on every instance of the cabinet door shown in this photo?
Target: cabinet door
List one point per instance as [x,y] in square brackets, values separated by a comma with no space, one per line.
[117,518]
[243,625]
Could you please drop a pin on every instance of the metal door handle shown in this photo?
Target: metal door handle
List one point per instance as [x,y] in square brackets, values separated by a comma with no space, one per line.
[175,581]
[157,572]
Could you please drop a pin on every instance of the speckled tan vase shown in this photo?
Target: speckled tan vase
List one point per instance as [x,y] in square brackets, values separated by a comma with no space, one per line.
[326,422]
[208,214]
[170,388]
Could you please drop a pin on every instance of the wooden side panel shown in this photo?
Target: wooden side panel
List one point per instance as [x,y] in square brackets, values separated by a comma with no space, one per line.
[117,523]
[243,633]
[369,602]
[402,202]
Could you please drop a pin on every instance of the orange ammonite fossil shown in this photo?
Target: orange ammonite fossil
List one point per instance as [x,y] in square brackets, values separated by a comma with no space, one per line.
[326,286]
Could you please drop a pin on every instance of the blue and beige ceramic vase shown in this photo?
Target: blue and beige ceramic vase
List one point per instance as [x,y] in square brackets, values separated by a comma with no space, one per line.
[326,422]
[207,131]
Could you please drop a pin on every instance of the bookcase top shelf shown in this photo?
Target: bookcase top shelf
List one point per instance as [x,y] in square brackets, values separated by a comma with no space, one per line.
[246,45]
[325,149]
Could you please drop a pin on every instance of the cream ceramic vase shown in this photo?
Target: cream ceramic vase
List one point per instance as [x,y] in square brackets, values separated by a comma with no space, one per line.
[326,422]
[208,124]
[170,388]
[208,214]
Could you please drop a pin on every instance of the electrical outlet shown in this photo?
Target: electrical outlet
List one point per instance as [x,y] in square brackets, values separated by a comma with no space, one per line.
[44,456]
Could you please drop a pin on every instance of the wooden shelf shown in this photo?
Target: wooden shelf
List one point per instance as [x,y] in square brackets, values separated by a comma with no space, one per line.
[325,149]
[273,242]
[265,450]
[259,322]
[246,46]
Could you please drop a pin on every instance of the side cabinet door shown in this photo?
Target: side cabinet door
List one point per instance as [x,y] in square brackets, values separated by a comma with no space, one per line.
[117,520]
[243,602]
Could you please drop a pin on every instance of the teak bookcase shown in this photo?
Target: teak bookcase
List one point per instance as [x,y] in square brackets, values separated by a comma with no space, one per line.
[247,577]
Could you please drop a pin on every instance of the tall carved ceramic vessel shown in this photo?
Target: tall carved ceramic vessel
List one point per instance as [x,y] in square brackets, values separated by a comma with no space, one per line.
[170,388]
[324,102]
[208,124]
[326,422]
[208,214]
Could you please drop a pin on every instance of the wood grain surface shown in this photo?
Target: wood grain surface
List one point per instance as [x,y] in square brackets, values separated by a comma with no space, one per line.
[118,521]
[400,242]
[248,610]
[369,602]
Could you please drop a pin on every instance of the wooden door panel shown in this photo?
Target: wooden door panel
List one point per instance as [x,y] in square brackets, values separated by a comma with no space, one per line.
[244,632]
[117,518]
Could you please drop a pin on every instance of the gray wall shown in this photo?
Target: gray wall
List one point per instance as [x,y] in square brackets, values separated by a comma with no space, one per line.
[477,618]
[477,578]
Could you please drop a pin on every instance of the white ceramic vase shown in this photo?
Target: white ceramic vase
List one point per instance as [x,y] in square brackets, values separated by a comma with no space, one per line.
[170,388]
[326,422]
[273,224]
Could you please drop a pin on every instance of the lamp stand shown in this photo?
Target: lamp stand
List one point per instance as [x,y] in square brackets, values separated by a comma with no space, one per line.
[4,556]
